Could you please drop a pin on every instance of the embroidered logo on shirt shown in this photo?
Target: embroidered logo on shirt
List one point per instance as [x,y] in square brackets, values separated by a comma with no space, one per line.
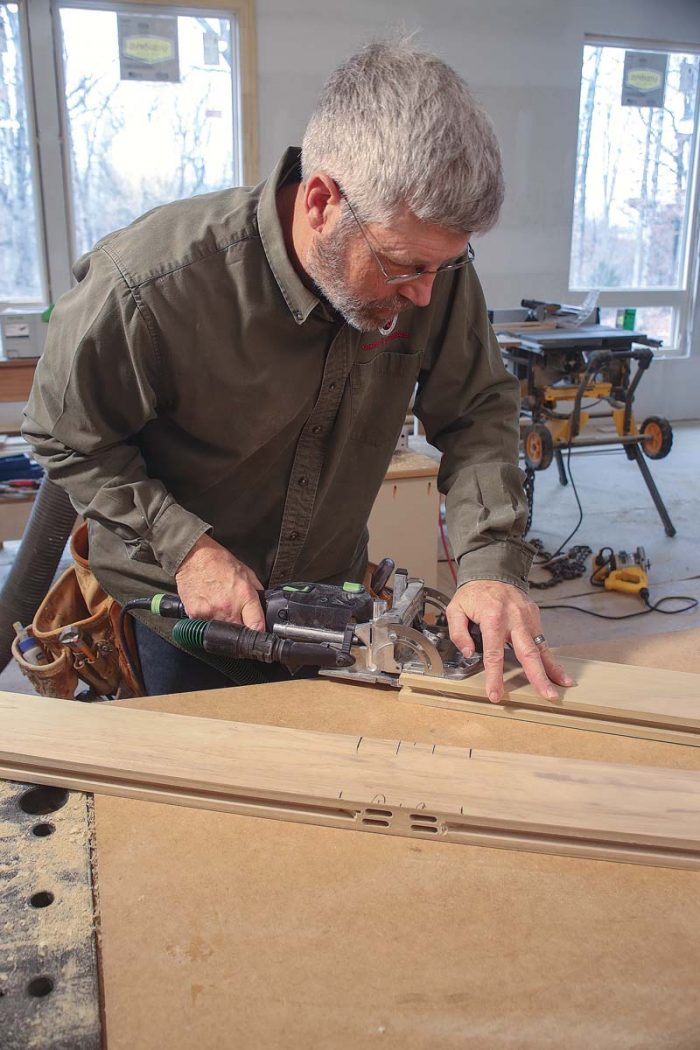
[387,334]
[382,342]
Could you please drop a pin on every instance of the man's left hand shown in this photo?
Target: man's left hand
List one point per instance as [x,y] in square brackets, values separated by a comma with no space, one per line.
[505,614]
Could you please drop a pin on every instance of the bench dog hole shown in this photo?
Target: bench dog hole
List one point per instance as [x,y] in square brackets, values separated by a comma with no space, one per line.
[45,799]
[38,987]
[42,899]
[43,830]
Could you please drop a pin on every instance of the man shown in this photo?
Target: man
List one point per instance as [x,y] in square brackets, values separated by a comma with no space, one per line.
[221,393]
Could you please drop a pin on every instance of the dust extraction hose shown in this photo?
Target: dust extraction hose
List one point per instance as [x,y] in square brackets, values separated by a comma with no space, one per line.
[234,641]
[34,568]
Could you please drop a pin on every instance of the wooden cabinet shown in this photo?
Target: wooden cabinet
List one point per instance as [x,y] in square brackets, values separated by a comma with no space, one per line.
[16,378]
[403,524]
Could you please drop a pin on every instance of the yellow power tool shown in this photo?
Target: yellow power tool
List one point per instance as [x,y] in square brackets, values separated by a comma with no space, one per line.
[622,571]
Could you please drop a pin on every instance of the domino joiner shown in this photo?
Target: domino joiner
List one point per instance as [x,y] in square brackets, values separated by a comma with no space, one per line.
[342,630]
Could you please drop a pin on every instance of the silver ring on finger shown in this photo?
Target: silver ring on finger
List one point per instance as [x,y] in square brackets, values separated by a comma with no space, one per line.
[539,639]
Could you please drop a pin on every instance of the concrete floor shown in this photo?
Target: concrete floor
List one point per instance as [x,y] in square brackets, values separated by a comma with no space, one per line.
[619,513]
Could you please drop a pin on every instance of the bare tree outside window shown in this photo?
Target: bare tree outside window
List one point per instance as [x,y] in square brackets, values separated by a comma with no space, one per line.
[20,269]
[137,144]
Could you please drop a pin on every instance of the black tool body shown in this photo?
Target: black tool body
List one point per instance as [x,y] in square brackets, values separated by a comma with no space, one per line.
[321,606]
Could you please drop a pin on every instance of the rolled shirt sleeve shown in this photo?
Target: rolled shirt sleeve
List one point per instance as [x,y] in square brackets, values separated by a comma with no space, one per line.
[469,406]
[94,391]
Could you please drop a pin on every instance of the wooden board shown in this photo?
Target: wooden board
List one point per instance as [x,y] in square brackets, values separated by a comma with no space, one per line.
[407,463]
[608,697]
[418,790]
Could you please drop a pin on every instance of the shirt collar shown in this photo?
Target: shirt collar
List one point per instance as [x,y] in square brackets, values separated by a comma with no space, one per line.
[300,300]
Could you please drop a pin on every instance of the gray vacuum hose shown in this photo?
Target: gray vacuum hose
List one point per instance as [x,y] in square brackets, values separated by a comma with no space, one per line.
[43,543]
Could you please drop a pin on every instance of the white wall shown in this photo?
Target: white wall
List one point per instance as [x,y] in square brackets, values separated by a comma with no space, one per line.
[523,59]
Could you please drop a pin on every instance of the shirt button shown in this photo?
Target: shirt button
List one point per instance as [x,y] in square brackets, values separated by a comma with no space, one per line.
[303,482]
[293,535]
[316,430]
[332,386]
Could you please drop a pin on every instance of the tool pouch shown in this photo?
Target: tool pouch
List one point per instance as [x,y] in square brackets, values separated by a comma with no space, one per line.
[77,600]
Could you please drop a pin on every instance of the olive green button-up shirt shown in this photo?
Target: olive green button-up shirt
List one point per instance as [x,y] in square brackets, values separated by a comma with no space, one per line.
[192,383]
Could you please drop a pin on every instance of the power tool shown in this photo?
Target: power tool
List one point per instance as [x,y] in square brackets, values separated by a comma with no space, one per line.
[622,571]
[345,631]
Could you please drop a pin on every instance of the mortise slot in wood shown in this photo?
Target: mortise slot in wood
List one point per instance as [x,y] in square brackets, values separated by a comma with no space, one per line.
[374,822]
[379,812]
[430,828]
[427,817]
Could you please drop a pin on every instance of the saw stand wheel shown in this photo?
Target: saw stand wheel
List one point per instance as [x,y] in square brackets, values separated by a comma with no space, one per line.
[538,446]
[659,434]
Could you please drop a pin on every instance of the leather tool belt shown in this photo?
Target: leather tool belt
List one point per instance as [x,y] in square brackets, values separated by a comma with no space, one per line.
[77,627]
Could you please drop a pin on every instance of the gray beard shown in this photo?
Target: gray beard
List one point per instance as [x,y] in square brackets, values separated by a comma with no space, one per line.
[326,265]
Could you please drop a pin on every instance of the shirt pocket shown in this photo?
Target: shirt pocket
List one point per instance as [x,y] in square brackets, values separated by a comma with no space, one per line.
[380,389]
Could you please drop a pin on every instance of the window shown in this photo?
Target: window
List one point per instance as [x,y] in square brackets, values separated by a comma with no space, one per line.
[134,105]
[20,255]
[144,131]
[636,171]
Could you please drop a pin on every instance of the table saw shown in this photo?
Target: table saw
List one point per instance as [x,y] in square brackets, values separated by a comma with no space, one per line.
[576,374]
[216,930]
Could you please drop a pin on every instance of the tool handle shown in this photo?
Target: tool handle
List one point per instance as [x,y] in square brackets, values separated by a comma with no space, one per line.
[629,581]
[380,576]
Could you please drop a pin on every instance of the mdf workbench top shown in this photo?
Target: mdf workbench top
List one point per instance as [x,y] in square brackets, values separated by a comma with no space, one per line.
[225,931]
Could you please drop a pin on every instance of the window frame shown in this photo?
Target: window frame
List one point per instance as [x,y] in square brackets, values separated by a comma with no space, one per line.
[41,40]
[683,300]
[37,187]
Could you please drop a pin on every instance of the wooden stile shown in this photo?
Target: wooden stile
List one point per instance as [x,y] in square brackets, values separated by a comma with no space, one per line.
[608,698]
[445,794]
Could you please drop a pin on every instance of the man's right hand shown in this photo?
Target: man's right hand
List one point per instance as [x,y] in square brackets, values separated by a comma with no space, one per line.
[214,585]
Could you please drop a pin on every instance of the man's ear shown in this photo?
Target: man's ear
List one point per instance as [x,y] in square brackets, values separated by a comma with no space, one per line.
[321,200]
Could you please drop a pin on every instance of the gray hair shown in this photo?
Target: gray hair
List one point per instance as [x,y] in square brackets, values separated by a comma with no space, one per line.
[396,127]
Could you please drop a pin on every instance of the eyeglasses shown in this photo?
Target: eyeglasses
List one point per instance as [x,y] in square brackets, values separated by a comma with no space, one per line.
[402,278]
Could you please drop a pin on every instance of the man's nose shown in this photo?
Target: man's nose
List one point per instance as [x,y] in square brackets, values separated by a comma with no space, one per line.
[419,290]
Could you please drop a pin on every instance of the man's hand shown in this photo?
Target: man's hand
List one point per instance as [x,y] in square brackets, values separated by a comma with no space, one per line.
[505,614]
[214,585]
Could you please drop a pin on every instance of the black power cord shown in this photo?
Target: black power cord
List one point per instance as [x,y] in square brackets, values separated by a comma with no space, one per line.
[691,603]
[135,603]
[545,556]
